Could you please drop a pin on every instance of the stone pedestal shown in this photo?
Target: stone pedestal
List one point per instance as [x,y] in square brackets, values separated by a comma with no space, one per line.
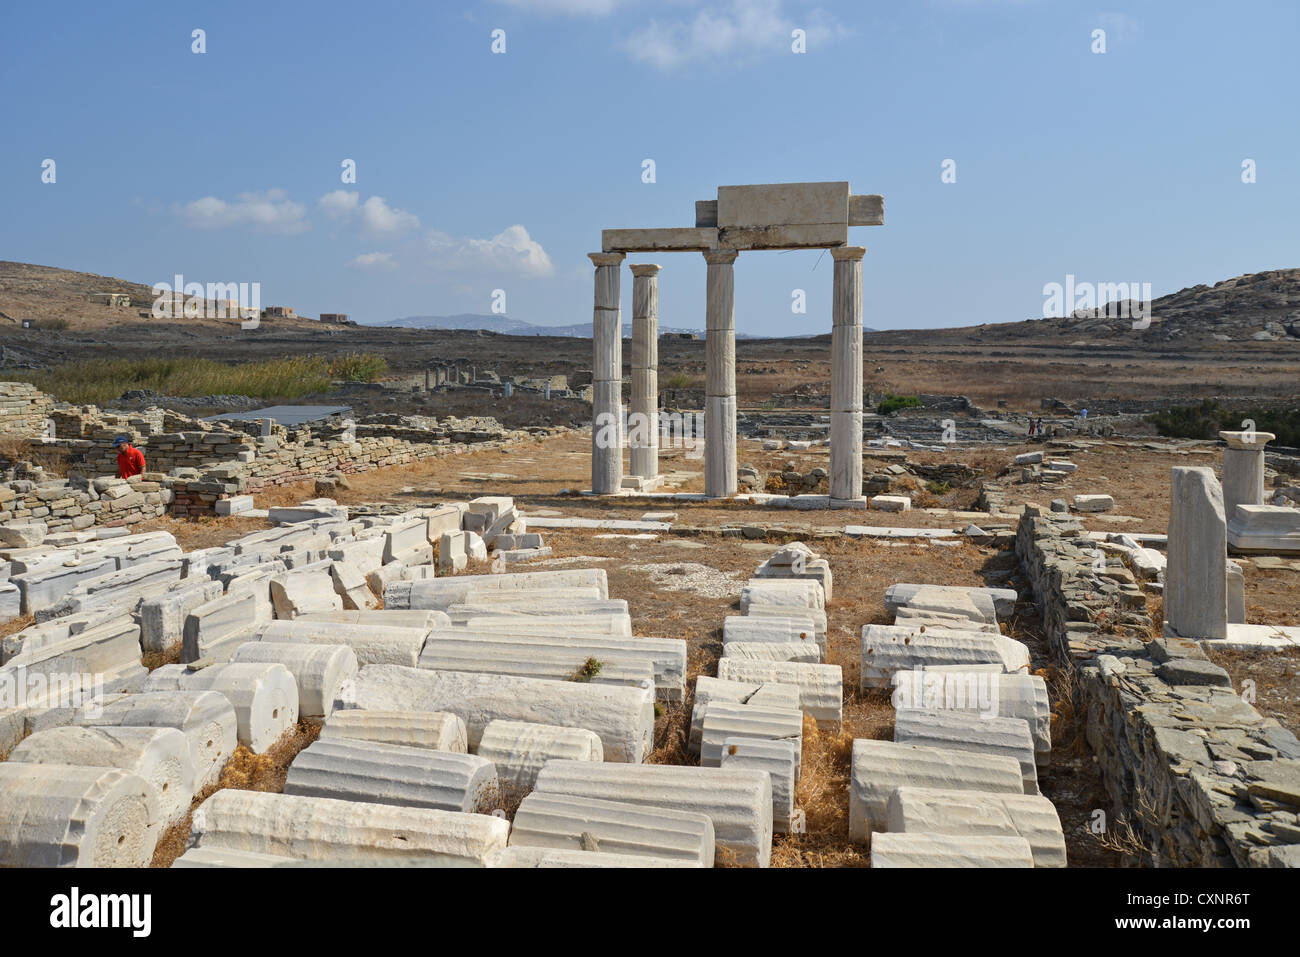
[606,377]
[1196,587]
[720,375]
[846,375]
[1243,468]
[644,431]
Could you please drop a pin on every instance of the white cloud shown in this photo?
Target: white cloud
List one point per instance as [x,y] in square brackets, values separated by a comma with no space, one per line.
[571,8]
[375,261]
[339,203]
[728,30]
[375,216]
[378,217]
[270,212]
[510,251]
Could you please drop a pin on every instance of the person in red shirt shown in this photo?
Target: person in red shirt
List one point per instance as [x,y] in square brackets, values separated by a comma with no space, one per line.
[130,460]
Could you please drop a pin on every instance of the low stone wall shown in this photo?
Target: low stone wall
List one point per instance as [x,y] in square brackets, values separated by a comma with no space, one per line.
[78,504]
[1203,778]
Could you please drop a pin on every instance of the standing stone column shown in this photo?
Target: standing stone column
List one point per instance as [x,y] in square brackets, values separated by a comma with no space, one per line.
[1243,468]
[428,380]
[846,375]
[645,370]
[1196,579]
[607,377]
[720,375]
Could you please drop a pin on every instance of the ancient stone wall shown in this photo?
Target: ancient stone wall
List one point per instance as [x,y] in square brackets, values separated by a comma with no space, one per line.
[1203,778]
[72,505]
[23,408]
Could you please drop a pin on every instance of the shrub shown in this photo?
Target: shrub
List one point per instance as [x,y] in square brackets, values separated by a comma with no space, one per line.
[893,403]
[358,367]
[1206,420]
[102,381]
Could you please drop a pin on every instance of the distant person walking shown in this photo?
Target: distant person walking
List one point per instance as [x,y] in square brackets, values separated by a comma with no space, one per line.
[1031,426]
[130,460]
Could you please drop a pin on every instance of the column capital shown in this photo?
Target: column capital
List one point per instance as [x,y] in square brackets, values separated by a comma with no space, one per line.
[644,269]
[848,253]
[1250,441]
[607,259]
[721,256]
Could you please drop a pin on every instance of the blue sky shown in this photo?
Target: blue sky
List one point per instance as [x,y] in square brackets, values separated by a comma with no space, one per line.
[478,171]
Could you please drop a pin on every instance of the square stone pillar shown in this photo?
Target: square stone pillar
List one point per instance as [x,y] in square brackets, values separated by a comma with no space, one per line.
[644,435]
[1196,577]
[1243,468]
[607,377]
[720,375]
[846,375]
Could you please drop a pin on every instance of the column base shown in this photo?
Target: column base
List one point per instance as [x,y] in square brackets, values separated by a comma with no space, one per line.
[638,483]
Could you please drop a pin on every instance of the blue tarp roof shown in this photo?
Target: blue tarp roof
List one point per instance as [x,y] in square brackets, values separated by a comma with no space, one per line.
[289,415]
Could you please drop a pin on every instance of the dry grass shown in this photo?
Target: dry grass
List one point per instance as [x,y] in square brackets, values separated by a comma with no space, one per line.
[245,771]
[209,531]
[15,625]
[152,660]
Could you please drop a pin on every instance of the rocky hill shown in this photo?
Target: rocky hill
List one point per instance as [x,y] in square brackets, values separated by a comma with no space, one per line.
[55,298]
[1261,306]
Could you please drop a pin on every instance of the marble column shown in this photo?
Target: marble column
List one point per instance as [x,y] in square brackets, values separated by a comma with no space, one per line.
[645,371]
[1196,577]
[846,375]
[1243,468]
[607,377]
[720,375]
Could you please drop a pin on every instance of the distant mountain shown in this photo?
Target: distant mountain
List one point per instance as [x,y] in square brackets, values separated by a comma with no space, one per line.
[504,325]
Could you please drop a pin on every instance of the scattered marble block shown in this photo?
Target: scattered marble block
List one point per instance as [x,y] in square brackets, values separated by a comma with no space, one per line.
[821,687]
[949,850]
[578,823]
[344,832]
[23,534]
[1029,458]
[877,768]
[349,769]
[891,503]
[955,731]
[780,759]
[1093,503]
[738,801]
[206,718]
[159,755]
[436,730]
[53,815]
[520,749]
[929,811]
[235,505]
[759,694]
[1264,528]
